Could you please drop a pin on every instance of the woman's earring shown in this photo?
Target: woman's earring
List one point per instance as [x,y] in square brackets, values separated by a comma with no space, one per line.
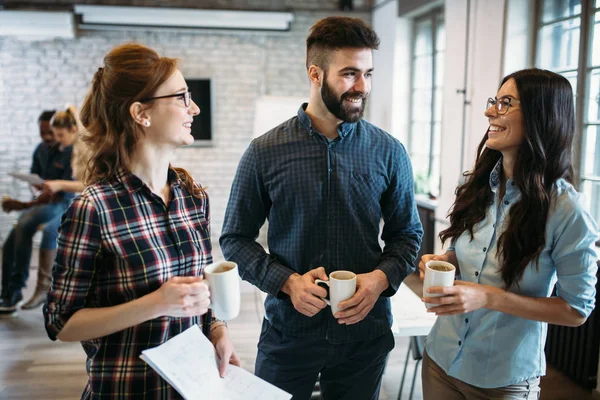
[147,123]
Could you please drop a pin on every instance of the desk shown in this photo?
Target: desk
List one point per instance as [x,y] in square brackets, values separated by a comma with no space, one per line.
[410,314]
[410,319]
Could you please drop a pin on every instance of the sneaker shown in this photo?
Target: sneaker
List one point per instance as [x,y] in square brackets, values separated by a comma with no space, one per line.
[10,303]
[8,314]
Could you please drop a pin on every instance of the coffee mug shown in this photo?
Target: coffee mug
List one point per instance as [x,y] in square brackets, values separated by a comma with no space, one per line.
[437,273]
[342,286]
[224,285]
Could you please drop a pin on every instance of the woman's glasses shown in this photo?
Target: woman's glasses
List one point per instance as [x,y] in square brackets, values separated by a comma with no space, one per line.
[186,96]
[502,104]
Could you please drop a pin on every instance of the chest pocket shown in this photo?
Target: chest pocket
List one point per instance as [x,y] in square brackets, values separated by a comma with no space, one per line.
[364,194]
[198,246]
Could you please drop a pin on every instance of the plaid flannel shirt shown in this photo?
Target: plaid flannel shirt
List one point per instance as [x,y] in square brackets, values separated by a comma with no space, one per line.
[119,242]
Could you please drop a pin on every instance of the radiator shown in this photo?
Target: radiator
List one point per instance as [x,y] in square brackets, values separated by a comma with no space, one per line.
[574,351]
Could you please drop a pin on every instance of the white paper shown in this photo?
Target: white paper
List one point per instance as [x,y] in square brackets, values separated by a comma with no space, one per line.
[188,362]
[32,179]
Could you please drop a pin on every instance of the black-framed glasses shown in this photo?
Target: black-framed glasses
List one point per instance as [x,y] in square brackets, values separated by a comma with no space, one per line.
[502,104]
[186,96]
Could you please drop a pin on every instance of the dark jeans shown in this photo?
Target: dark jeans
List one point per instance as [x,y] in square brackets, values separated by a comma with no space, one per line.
[16,251]
[350,371]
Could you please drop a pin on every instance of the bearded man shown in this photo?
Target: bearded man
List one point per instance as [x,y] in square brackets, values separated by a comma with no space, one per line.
[325,179]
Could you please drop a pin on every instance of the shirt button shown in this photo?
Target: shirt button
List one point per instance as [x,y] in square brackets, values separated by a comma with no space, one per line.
[494,225]
[476,273]
[506,202]
[459,343]
[330,169]
[331,145]
[484,249]
[467,320]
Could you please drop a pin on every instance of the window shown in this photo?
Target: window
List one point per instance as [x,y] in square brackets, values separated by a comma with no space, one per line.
[568,42]
[426,100]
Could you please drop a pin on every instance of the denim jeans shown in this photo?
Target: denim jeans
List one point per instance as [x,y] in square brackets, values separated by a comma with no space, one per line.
[50,233]
[16,252]
[349,371]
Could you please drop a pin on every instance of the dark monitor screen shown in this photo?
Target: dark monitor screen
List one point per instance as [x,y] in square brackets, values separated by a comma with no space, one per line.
[202,96]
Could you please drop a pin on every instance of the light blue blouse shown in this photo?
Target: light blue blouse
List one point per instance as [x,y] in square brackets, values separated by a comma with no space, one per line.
[490,349]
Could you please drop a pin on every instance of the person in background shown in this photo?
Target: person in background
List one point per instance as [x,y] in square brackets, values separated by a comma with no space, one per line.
[325,179]
[132,247]
[66,126]
[40,155]
[517,228]
[53,163]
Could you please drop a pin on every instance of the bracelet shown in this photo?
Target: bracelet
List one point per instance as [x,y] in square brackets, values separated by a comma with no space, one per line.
[214,326]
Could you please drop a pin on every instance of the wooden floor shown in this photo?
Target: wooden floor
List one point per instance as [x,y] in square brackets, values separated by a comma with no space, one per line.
[33,367]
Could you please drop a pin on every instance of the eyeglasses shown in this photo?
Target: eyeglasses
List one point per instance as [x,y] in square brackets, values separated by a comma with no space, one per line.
[502,104]
[186,96]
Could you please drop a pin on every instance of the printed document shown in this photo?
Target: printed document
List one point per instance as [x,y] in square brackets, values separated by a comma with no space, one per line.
[32,179]
[189,363]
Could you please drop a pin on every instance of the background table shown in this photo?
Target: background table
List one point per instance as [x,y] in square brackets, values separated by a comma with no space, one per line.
[411,319]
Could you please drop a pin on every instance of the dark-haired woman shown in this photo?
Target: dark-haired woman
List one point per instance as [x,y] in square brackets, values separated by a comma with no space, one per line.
[517,229]
[132,247]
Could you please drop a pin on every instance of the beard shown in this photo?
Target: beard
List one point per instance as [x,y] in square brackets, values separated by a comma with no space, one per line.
[344,111]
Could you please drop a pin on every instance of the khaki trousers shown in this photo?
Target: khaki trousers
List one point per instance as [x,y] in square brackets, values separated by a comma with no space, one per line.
[437,385]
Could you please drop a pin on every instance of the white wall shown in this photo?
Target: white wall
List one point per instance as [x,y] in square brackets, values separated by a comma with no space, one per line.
[391,81]
[481,58]
[380,100]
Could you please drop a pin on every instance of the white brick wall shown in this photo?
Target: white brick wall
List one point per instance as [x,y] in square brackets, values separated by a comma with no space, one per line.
[243,66]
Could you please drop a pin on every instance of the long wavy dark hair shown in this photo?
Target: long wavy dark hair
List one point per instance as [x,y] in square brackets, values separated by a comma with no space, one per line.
[544,157]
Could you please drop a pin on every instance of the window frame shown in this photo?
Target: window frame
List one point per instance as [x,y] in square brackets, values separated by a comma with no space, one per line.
[584,73]
[434,15]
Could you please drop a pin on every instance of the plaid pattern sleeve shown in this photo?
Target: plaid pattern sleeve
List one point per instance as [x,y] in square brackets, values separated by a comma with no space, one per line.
[78,253]
[119,242]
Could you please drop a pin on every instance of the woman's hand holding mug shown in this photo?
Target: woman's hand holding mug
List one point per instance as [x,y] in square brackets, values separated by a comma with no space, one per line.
[430,257]
[183,296]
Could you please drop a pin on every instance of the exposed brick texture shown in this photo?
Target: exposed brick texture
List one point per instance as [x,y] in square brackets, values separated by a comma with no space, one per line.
[49,74]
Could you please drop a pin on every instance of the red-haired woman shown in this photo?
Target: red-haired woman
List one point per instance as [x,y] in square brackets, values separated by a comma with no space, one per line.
[132,248]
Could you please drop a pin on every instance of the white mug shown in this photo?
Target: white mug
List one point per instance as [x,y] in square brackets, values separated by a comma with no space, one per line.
[435,277]
[224,285]
[342,286]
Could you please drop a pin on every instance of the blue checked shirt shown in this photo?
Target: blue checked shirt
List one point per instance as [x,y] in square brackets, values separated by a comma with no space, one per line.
[324,202]
[490,349]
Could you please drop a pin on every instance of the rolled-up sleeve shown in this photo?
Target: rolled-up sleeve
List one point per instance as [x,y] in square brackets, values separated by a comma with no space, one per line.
[402,230]
[78,253]
[574,254]
[247,211]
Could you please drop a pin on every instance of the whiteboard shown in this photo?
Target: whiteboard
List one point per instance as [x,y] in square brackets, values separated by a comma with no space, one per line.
[273,110]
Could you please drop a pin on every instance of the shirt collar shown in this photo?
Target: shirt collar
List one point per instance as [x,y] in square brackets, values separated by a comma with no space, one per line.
[496,179]
[132,183]
[344,129]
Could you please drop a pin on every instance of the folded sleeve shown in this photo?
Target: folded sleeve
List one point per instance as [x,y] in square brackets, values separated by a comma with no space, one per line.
[78,254]
[247,210]
[402,231]
[574,254]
